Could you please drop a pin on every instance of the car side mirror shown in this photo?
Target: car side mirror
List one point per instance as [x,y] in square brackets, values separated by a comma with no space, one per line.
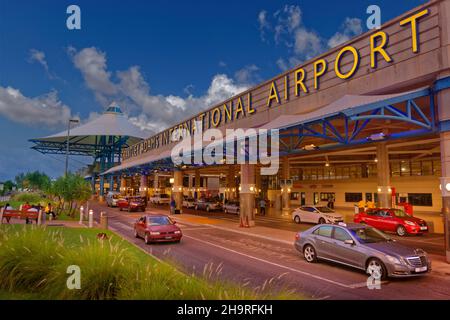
[349,242]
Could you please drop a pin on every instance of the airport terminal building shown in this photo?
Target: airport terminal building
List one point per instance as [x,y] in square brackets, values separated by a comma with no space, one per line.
[368,120]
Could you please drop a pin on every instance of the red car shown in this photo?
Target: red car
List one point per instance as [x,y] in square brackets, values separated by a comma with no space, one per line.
[393,220]
[132,204]
[157,228]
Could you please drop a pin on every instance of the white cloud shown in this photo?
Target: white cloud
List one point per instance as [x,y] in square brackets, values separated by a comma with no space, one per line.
[45,110]
[39,57]
[247,75]
[288,29]
[92,64]
[147,110]
[349,29]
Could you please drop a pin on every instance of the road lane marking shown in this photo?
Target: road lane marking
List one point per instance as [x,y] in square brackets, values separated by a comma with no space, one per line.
[275,264]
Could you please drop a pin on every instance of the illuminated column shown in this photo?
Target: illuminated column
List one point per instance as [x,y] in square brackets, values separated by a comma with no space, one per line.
[384,179]
[111,182]
[197,183]
[178,188]
[258,181]
[231,182]
[143,186]
[247,195]
[286,189]
[156,184]
[190,186]
[101,197]
[443,102]
[123,185]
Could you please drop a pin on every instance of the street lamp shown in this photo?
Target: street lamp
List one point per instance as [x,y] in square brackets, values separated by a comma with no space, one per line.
[67,142]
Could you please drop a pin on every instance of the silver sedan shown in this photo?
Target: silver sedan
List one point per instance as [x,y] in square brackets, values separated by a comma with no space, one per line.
[362,247]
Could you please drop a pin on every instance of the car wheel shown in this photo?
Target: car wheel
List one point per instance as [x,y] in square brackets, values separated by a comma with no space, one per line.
[322,221]
[310,254]
[129,209]
[207,209]
[238,212]
[147,239]
[297,219]
[376,269]
[196,207]
[401,231]
[136,235]
[120,208]
[225,211]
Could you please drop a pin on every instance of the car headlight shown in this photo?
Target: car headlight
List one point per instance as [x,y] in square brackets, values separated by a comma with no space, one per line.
[154,233]
[393,259]
[177,232]
[410,223]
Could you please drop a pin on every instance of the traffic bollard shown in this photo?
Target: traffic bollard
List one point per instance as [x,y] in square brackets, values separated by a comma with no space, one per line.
[39,220]
[81,215]
[91,218]
[103,220]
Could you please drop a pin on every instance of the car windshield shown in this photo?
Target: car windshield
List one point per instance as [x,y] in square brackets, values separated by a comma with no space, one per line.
[399,213]
[369,235]
[325,209]
[159,221]
[115,196]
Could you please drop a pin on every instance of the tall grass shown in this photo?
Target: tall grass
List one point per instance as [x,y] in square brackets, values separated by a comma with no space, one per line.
[34,260]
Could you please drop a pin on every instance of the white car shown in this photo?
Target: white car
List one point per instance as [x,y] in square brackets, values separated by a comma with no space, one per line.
[160,199]
[316,214]
[188,202]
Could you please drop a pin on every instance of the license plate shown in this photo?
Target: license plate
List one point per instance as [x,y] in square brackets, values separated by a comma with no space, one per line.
[168,237]
[422,269]
[423,228]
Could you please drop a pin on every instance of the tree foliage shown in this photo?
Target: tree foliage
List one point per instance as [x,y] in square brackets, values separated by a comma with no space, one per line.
[70,189]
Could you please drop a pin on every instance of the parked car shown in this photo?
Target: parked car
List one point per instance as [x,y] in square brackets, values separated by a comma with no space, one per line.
[231,207]
[393,220]
[112,197]
[362,247]
[188,202]
[208,204]
[161,198]
[316,214]
[157,228]
[132,204]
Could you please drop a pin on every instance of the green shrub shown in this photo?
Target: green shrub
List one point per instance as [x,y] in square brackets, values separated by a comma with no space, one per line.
[27,257]
[32,198]
[106,268]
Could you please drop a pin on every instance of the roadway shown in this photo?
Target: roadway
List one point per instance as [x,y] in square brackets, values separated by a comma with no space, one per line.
[257,262]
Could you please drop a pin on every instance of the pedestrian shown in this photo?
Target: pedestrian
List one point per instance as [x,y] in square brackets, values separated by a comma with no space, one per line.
[49,210]
[361,205]
[172,206]
[262,207]
[25,209]
[330,202]
[7,208]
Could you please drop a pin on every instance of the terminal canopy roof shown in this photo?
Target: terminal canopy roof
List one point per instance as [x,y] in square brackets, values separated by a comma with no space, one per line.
[342,122]
[87,138]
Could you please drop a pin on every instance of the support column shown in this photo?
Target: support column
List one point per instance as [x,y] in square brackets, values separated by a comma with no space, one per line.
[383,179]
[156,184]
[93,183]
[231,183]
[111,182]
[197,183]
[443,102]
[123,186]
[190,185]
[286,190]
[143,186]
[247,195]
[101,197]
[178,189]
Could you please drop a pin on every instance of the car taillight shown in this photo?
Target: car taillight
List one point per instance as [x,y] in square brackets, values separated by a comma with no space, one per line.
[297,236]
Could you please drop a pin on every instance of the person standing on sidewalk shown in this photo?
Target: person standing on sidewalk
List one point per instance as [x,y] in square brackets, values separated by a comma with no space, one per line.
[262,207]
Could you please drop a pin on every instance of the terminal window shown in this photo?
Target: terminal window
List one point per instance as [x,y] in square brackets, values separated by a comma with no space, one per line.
[421,199]
[353,196]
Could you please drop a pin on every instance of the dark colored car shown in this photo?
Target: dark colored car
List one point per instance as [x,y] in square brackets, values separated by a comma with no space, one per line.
[393,220]
[132,204]
[157,228]
[363,247]
[208,204]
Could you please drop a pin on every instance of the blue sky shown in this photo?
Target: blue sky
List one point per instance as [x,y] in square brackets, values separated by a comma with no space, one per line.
[160,60]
